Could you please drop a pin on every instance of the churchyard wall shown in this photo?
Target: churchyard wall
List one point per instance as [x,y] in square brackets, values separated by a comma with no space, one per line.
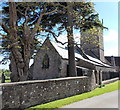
[20,95]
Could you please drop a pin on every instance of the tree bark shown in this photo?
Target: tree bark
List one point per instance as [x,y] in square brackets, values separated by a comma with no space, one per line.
[71,48]
[19,57]
[13,68]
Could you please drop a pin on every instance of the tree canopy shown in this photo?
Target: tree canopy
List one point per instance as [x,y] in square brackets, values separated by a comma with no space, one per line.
[23,22]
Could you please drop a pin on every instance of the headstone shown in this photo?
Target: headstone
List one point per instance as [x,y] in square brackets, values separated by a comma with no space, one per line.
[3,78]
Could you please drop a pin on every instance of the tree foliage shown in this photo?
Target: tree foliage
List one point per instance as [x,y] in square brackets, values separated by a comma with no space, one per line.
[23,22]
[21,25]
[80,16]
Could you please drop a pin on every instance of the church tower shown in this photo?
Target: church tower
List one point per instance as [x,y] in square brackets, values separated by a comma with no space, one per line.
[92,43]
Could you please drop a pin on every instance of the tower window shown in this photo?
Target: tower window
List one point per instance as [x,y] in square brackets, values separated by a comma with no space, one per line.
[45,62]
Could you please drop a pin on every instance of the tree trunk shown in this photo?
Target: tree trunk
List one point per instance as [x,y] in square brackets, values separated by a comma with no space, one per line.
[19,57]
[19,69]
[71,48]
[14,76]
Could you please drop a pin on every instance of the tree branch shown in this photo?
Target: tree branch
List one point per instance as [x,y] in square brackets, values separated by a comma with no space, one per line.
[21,12]
[3,35]
[56,10]
[40,18]
[58,4]
[6,29]
[55,36]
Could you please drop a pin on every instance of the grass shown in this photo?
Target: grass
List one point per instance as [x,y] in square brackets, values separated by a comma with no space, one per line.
[6,81]
[59,103]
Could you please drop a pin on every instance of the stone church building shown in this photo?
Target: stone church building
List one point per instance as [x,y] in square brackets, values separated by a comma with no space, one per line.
[51,61]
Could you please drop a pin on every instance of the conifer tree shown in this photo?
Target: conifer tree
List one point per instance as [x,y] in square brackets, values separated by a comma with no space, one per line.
[24,21]
[20,26]
[81,16]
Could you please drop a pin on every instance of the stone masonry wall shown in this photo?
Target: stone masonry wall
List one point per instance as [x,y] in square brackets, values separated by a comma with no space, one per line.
[21,95]
[57,66]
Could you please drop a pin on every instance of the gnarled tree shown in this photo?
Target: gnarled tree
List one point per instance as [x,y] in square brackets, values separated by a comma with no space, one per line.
[23,24]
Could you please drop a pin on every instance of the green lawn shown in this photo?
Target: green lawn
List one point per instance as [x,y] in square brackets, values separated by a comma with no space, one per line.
[6,81]
[59,103]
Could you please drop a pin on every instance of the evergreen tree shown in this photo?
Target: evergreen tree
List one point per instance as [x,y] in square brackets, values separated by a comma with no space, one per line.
[81,16]
[21,24]
[24,21]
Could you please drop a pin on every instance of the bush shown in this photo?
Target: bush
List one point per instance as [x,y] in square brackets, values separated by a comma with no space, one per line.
[102,85]
[6,73]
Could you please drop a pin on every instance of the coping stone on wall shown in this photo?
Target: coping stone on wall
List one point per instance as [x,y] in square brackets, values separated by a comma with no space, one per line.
[25,88]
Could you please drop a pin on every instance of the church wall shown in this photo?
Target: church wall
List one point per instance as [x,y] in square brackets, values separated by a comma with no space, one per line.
[54,69]
[64,64]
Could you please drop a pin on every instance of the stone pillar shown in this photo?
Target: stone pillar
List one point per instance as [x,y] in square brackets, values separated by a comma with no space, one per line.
[119,74]
[100,77]
[92,79]
[97,77]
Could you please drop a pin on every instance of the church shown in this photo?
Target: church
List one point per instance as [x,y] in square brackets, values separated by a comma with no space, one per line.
[51,61]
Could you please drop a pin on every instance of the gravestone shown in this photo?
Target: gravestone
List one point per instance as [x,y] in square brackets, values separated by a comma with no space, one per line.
[3,78]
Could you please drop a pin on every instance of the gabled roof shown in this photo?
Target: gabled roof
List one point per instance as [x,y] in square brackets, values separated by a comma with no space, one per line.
[79,54]
[98,61]
[63,52]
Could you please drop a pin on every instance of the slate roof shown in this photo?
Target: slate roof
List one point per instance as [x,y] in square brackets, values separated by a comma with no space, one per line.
[117,59]
[63,52]
[79,55]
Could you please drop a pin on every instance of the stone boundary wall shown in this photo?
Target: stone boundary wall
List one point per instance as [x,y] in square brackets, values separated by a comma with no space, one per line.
[20,95]
[110,81]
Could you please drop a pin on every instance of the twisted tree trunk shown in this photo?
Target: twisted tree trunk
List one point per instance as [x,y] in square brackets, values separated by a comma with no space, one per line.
[20,57]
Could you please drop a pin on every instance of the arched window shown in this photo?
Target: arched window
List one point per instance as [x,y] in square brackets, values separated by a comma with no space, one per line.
[45,62]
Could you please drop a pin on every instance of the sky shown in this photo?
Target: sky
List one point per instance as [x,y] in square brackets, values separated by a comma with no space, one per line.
[108,11]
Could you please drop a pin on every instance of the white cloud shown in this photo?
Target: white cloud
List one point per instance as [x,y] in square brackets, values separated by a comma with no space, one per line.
[111,52]
[111,36]
[63,38]
[111,43]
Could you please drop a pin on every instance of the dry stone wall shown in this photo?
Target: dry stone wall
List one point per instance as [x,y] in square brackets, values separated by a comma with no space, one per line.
[21,95]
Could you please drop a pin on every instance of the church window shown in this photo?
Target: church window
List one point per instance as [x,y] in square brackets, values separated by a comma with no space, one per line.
[45,62]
